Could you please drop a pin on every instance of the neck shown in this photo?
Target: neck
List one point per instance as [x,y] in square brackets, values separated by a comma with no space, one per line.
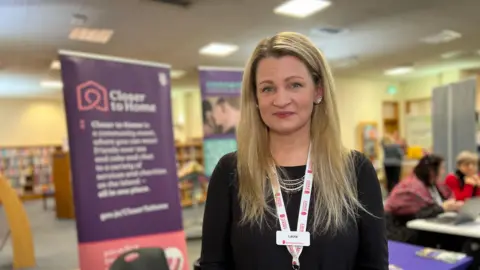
[290,149]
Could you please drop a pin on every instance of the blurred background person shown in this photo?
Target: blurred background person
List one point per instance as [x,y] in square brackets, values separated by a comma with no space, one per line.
[420,195]
[392,160]
[464,182]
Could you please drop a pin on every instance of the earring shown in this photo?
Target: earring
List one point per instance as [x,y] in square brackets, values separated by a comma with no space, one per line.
[318,100]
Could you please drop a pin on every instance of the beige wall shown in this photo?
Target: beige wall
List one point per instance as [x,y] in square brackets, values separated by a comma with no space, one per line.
[31,122]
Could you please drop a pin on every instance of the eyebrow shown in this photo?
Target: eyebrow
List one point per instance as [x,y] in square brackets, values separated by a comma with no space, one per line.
[286,79]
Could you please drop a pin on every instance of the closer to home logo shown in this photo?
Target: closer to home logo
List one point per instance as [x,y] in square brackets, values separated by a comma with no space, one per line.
[92,96]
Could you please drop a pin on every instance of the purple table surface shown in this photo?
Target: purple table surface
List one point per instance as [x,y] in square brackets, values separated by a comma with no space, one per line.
[403,255]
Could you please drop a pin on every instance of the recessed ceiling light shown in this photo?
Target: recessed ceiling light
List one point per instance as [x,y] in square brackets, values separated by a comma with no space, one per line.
[218,49]
[398,71]
[453,54]
[91,35]
[176,74]
[442,37]
[347,62]
[51,84]
[301,8]
[55,65]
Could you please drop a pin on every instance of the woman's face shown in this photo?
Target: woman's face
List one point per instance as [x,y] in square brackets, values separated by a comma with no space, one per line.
[468,168]
[286,94]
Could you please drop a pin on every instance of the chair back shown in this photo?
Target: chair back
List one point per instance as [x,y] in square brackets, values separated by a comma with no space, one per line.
[141,259]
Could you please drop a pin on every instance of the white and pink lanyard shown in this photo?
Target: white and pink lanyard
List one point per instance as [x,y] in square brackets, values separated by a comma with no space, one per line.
[295,251]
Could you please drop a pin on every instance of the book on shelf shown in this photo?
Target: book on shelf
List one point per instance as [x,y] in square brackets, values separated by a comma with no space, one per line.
[19,164]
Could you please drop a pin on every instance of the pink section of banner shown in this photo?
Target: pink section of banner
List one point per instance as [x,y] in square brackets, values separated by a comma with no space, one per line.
[100,255]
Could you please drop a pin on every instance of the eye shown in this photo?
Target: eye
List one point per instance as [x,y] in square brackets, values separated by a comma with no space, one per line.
[296,85]
[267,89]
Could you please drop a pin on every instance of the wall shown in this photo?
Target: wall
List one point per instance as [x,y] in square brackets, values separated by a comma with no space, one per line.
[32,122]
[360,100]
[422,88]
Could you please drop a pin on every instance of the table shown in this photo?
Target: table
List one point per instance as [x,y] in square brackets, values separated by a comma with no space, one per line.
[469,230]
[403,255]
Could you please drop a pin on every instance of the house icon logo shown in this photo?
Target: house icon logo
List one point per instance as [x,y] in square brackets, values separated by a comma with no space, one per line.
[92,96]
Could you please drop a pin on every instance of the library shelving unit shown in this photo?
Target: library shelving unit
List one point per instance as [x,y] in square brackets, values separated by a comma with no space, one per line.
[15,162]
[189,151]
[193,184]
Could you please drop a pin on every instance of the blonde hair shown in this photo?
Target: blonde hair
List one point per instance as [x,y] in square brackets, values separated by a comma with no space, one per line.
[333,165]
[467,157]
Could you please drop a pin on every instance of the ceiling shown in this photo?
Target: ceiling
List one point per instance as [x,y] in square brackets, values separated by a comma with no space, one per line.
[380,34]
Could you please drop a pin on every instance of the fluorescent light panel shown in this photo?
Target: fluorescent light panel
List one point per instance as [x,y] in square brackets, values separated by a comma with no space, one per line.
[51,84]
[301,8]
[176,74]
[218,49]
[398,71]
[55,65]
[442,37]
[101,36]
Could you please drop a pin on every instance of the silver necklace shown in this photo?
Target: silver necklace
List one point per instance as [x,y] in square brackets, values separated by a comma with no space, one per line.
[292,185]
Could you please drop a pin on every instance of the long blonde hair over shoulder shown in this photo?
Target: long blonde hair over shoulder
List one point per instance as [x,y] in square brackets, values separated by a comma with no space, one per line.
[335,197]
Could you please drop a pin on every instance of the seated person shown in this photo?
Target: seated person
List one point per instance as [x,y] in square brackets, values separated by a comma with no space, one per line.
[418,196]
[465,182]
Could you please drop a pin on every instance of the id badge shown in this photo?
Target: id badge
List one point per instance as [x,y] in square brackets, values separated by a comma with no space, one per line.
[285,238]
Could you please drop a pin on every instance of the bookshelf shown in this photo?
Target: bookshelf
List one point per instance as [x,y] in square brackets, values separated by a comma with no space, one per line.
[189,151]
[390,114]
[15,161]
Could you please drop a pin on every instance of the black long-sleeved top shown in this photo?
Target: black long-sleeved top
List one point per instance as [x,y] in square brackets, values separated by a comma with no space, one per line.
[227,245]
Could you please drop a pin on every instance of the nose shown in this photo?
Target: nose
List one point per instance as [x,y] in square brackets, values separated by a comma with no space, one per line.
[282,98]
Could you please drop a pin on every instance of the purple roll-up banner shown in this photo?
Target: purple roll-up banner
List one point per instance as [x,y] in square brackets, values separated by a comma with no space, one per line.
[122,156]
[221,88]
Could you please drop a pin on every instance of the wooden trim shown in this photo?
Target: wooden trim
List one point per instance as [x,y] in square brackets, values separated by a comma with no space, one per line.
[30,146]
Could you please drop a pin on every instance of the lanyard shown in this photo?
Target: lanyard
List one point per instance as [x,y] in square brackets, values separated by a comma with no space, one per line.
[295,251]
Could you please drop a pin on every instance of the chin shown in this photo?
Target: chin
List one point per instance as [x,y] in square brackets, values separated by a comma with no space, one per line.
[284,129]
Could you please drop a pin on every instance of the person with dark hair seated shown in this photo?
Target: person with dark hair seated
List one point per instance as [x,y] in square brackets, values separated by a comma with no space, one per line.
[418,196]
[465,182]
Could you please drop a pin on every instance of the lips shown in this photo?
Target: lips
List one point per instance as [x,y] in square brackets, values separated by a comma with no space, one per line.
[283,114]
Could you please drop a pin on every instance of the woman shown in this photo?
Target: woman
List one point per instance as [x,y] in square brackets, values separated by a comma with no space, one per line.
[289,148]
[465,182]
[418,196]
[392,161]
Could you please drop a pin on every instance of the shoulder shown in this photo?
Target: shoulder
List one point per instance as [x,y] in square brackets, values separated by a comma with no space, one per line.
[228,161]
[361,163]
[365,174]
[225,171]
[452,178]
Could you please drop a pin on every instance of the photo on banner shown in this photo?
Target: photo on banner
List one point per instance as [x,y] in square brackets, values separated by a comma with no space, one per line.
[122,156]
[221,88]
